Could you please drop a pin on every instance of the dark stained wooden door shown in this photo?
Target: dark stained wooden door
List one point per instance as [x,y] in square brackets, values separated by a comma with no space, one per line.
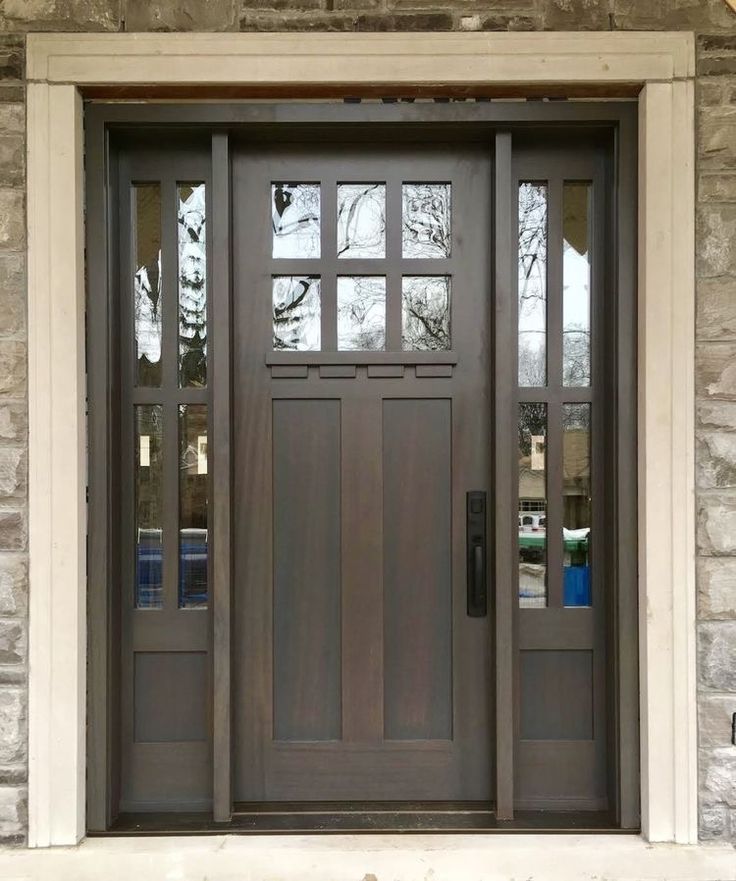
[361,418]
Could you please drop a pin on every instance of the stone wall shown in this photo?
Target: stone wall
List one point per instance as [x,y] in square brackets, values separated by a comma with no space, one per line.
[715,25]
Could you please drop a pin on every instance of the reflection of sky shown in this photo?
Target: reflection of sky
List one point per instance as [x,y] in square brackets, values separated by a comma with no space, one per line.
[361,312]
[148,313]
[576,289]
[192,264]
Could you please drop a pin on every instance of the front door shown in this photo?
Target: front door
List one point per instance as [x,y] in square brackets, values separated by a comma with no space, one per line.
[362,353]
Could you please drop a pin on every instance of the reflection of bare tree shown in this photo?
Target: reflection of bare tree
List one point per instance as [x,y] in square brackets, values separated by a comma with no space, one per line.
[361,220]
[532,284]
[426,220]
[296,313]
[426,313]
[532,423]
[576,356]
[192,286]
[296,219]
[361,313]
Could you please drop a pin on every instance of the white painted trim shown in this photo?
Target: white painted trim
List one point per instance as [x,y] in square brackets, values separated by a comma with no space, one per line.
[662,63]
[57,478]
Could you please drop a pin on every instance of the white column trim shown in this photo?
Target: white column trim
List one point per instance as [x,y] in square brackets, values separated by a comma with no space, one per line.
[57,466]
[662,63]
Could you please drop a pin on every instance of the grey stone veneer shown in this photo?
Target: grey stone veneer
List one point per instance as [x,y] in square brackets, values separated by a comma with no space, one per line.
[715,25]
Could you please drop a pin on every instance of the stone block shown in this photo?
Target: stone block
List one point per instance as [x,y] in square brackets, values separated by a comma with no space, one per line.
[716,240]
[13,119]
[13,530]
[717,141]
[13,369]
[719,186]
[717,660]
[13,775]
[13,422]
[12,293]
[13,473]
[344,21]
[283,5]
[716,53]
[718,776]
[12,726]
[665,15]
[510,22]
[715,370]
[12,641]
[12,219]
[716,578]
[12,55]
[716,308]
[714,821]
[714,415]
[183,15]
[717,523]
[576,15]
[715,712]
[715,460]
[13,814]
[60,15]
[12,160]
[13,585]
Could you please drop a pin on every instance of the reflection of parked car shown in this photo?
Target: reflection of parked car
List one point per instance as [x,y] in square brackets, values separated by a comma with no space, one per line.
[192,568]
[532,522]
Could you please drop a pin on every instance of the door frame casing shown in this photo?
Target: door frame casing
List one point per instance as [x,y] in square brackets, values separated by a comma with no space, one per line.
[661,65]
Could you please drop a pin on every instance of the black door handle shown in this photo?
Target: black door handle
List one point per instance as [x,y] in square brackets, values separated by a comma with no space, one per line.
[476,554]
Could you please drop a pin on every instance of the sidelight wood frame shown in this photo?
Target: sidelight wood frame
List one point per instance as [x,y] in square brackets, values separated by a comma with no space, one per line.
[498,122]
[660,67]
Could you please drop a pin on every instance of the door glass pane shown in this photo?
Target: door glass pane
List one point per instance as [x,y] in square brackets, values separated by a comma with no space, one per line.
[193,543]
[576,503]
[295,213]
[426,222]
[148,502]
[192,285]
[532,516]
[147,283]
[361,220]
[296,312]
[532,284]
[425,312]
[576,284]
[361,312]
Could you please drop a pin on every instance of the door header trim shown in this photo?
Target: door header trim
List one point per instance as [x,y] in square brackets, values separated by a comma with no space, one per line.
[58,65]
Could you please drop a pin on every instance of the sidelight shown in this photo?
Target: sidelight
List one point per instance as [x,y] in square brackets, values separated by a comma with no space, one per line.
[532,270]
[192,276]
[148,523]
[576,284]
[533,495]
[576,504]
[147,307]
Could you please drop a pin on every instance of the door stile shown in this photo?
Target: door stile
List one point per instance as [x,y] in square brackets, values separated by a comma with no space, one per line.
[505,489]
[220,408]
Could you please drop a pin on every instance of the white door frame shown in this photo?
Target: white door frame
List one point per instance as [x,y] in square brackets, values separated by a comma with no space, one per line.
[662,65]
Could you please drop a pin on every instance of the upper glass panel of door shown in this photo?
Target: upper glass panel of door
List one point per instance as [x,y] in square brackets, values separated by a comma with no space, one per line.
[416,238]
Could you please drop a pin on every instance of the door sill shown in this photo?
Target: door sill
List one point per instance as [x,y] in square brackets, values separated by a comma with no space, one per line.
[362,818]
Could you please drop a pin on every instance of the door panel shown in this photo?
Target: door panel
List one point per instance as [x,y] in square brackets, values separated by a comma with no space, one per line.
[362,418]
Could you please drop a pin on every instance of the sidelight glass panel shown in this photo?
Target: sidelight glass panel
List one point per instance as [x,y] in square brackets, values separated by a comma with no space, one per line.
[295,214]
[193,493]
[576,284]
[576,507]
[296,312]
[148,480]
[532,284]
[192,285]
[146,206]
[361,220]
[426,229]
[532,505]
[361,313]
[425,312]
